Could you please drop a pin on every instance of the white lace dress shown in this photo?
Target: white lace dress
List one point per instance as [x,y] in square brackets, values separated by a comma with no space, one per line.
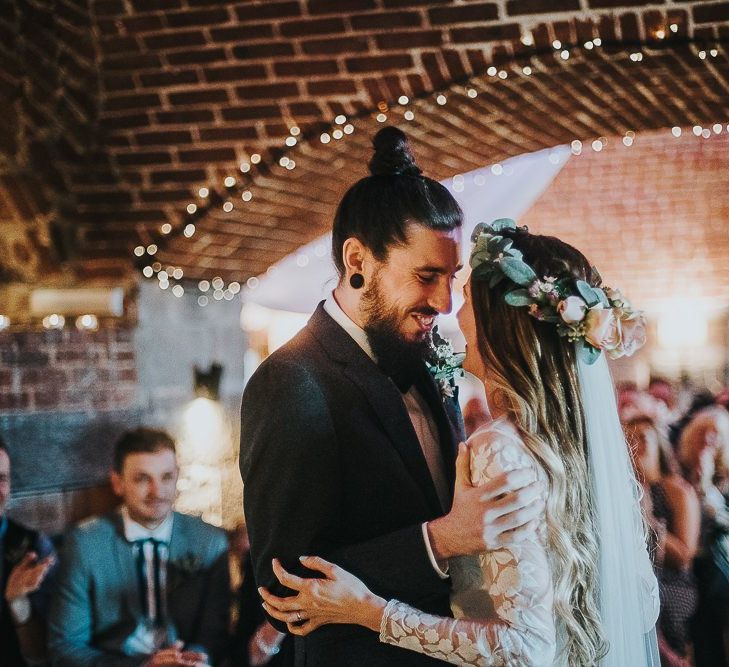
[503,599]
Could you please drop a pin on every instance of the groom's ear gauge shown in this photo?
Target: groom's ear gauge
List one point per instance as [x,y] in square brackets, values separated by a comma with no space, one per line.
[356,280]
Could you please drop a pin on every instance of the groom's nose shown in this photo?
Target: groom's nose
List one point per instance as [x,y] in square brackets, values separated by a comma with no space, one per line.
[441,299]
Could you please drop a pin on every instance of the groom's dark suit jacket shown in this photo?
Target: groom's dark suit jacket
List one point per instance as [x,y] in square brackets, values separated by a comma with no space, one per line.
[332,467]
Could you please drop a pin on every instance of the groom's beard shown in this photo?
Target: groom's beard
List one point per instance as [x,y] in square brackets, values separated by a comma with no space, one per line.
[397,356]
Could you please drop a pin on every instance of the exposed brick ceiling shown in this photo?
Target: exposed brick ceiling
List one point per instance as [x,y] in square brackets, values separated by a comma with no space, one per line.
[121,110]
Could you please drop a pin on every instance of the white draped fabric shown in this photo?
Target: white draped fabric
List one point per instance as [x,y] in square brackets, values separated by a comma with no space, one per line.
[301,280]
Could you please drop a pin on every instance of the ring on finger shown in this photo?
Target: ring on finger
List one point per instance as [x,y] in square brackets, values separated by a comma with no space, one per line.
[298,616]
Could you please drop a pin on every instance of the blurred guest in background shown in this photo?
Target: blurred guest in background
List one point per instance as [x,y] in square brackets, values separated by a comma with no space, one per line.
[700,400]
[672,510]
[143,585]
[26,564]
[703,454]
[632,403]
[665,391]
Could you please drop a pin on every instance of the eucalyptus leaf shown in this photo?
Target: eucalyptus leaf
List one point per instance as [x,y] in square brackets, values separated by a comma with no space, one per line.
[587,353]
[480,227]
[518,271]
[505,245]
[602,297]
[480,257]
[587,293]
[494,241]
[502,223]
[518,297]
[483,271]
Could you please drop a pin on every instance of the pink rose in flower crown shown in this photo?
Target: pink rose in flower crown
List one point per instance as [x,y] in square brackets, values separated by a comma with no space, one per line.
[572,309]
[632,335]
[602,329]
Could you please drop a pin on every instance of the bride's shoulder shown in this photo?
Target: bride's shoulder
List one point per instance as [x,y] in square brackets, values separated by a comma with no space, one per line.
[497,447]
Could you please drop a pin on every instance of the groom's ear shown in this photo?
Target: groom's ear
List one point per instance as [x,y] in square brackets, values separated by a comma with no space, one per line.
[354,255]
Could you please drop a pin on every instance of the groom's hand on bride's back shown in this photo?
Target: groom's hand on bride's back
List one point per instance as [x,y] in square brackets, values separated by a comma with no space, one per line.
[487,517]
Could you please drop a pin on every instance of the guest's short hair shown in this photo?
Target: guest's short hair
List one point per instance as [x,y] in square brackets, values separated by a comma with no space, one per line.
[4,447]
[141,440]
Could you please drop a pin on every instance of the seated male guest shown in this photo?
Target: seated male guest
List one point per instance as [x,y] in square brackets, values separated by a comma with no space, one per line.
[143,585]
[26,560]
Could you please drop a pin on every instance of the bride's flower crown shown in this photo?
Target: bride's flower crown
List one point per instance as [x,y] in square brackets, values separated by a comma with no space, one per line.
[593,318]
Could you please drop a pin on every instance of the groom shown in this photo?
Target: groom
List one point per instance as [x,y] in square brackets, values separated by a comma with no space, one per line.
[348,447]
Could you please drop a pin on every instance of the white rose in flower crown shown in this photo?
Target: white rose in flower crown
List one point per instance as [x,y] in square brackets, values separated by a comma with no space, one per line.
[602,329]
[632,335]
[572,309]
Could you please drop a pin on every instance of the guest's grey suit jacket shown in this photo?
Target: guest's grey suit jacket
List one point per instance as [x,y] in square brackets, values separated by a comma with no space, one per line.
[97,603]
[332,467]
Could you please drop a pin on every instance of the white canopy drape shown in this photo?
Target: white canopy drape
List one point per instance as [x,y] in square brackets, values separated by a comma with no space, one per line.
[301,280]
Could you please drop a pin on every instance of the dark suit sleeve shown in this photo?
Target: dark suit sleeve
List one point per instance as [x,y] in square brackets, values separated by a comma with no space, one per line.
[291,474]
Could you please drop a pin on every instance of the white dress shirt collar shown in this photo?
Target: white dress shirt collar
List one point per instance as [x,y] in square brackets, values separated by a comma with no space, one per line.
[359,335]
[134,531]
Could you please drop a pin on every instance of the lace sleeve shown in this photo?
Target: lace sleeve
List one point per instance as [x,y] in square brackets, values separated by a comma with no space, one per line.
[515,584]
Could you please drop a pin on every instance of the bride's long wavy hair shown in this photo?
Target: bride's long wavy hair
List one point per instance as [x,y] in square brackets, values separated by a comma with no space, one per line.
[533,373]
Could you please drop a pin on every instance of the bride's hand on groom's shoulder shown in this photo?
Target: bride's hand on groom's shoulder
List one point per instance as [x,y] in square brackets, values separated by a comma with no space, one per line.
[335,597]
[488,517]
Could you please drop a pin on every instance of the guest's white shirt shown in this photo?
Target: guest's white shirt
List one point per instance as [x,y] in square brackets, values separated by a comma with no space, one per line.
[420,416]
[134,531]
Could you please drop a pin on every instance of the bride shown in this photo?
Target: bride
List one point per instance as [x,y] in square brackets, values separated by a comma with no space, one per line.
[579,588]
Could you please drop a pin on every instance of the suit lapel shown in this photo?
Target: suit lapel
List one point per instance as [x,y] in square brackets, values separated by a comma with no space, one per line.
[381,393]
[123,553]
[178,540]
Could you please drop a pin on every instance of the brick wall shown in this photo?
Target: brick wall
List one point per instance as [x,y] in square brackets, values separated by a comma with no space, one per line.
[67,370]
[653,217]
[66,396]
[162,97]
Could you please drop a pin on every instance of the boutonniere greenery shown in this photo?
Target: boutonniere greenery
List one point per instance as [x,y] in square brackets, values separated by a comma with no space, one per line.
[444,364]
[187,566]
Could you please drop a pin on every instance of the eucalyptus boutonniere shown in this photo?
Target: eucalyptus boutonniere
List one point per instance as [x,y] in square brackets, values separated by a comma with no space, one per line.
[444,364]
[186,567]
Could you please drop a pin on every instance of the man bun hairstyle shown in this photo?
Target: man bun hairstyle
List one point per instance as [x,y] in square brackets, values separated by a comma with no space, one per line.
[392,155]
[141,440]
[377,209]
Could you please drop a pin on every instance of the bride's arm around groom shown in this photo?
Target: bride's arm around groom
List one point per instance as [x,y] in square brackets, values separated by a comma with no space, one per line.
[503,599]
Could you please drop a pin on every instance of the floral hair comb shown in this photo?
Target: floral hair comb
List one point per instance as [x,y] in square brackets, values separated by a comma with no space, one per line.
[593,318]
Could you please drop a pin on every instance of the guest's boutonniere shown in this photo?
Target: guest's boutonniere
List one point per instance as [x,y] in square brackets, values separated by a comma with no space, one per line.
[186,567]
[444,364]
